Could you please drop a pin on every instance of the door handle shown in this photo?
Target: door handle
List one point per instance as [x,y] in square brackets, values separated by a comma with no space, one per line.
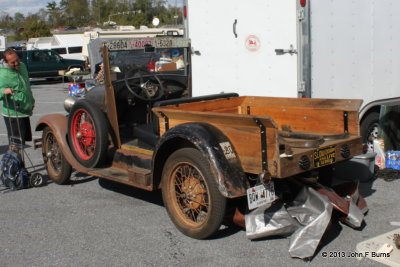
[290,51]
[234,28]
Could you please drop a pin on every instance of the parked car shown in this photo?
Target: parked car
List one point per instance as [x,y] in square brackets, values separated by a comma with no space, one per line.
[70,28]
[47,63]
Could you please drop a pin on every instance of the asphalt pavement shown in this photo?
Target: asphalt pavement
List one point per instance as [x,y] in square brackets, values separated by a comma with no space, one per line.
[94,222]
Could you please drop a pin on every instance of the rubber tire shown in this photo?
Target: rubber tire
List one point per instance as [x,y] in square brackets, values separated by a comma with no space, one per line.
[367,124]
[217,202]
[37,180]
[58,177]
[101,130]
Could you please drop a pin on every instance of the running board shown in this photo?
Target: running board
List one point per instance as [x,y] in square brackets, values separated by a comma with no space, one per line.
[133,176]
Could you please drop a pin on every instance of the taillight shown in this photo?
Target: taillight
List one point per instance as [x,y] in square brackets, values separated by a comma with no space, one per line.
[151,66]
[185,12]
[303,3]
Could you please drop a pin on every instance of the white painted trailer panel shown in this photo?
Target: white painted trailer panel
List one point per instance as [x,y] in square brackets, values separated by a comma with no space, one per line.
[355,49]
[245,63]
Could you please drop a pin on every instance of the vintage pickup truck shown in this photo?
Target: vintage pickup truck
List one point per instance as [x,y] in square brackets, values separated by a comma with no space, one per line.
[141,129]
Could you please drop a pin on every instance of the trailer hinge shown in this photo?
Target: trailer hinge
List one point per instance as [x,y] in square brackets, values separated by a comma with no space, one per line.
[263,135]
[290,51]
[302,87]
[300,14]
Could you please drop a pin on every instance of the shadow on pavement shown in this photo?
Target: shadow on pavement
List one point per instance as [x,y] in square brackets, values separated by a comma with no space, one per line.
[154,197]
[365,188]
[81,178]
[47,81]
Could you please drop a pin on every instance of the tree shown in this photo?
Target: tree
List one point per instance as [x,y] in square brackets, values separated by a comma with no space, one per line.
[99,10]
[36,28]
[19,18]
[76,12]
[54,13]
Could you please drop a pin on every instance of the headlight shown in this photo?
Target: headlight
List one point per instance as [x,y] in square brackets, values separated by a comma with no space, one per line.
[68,103]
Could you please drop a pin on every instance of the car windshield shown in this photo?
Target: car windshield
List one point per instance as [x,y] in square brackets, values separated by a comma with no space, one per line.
[171,60]
[162,55]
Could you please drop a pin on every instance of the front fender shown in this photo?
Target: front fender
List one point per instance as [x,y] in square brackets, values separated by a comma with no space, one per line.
[58,123]
[215,147]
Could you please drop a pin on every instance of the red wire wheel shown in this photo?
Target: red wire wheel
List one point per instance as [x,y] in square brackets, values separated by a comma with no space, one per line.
[87,133]
[84,134]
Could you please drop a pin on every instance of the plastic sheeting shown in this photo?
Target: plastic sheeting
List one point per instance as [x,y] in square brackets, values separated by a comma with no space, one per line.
[313,211]
[270,220]
[306,220]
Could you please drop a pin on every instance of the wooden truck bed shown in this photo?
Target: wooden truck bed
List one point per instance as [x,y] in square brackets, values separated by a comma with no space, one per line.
[294,135]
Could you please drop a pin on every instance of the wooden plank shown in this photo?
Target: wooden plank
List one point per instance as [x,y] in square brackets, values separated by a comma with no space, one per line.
[213,117]
[215,105]
[310,119]
[338,104]
[290,166]
[247,143]
[256,101]
[110,99]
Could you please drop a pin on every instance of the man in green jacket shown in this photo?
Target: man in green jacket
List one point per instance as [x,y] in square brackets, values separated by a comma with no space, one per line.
[18,101]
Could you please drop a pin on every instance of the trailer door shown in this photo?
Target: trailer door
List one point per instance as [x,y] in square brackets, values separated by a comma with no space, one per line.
[244,47]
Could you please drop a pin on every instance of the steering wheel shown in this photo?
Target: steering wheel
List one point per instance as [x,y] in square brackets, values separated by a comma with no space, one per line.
[146,90]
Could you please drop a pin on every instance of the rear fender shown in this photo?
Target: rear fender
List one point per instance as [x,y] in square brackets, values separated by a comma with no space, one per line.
[215,147]
[58,123]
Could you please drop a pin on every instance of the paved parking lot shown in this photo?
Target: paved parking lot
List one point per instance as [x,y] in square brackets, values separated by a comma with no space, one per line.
[99,223]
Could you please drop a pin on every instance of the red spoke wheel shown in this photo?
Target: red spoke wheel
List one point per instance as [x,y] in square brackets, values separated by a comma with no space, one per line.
[58,169]
[87,133]
[191,194]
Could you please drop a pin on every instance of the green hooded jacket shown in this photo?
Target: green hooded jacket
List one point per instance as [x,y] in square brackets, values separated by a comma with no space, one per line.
[18,81]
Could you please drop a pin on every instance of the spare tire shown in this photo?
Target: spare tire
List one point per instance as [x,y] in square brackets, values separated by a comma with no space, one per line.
[88,133]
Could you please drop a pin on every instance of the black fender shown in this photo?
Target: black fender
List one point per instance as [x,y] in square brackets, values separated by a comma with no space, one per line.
[209,140]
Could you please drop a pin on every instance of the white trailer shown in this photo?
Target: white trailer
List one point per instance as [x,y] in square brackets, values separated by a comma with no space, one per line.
[66,45]
[3,41]
[299,48]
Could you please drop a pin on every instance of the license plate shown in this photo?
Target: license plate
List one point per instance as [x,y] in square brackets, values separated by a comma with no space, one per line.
[117,45]
[324,156]
[260,195]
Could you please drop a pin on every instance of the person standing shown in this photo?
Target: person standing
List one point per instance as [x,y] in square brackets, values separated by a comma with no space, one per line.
[17,98]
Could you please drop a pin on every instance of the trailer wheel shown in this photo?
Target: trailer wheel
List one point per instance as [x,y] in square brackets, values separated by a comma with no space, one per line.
[87,133]
[58,169]
[37,179]
[369,129]
[191,195]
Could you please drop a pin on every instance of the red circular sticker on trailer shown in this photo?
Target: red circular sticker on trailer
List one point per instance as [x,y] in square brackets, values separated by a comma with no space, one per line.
[252,43]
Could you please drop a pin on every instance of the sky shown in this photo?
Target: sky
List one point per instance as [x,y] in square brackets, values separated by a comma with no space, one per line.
[22,6]
[33,6]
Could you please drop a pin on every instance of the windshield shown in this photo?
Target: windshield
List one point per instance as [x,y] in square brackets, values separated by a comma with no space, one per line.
[166,60]
[163,55]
